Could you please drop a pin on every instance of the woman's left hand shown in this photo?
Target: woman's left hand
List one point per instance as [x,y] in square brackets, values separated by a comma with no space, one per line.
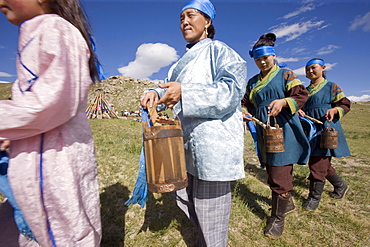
[330,114]
[276,106]
[172,94]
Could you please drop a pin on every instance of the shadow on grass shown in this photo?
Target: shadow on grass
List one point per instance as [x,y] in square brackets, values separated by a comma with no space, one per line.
[250,199]
[300,180]
[113,212]
[256,171]
[162,214]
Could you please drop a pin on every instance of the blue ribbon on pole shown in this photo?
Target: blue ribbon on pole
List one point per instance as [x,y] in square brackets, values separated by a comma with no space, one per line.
[6,190]
[98,66]
[252,129]
[140,194]
[309,127]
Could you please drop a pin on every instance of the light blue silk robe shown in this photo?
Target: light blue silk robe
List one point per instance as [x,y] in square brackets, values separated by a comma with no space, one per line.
[213,81]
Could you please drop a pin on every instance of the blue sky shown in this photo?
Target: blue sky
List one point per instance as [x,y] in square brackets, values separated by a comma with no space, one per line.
[141,38]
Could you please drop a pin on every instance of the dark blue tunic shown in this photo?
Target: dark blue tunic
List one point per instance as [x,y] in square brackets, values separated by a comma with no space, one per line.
[279,84]
[323,97]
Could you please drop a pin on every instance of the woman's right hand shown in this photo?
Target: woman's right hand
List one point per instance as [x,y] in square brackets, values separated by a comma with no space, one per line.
[246,116]
[150,97]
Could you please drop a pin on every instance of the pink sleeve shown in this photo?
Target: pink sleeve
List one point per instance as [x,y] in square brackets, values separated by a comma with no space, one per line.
[58,55]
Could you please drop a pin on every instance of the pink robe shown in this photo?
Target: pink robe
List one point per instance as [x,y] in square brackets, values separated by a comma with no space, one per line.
[49,132]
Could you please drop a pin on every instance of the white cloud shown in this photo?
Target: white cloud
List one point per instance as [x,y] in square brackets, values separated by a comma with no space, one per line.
[330,66]
[361,22]
[295,30]
[297,50]
[150,58]
[327,49]
[307,6]
[3,74]
[302,70]
[6,82]
[289,59]
[362,98]
[365,91]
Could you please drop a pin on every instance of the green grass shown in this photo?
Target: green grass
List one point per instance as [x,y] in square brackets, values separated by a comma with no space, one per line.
[5,90]
[161,223]
[336,223]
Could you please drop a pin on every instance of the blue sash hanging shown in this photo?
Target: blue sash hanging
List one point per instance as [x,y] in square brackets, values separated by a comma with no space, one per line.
[6,190]
[140,194]
[308,127]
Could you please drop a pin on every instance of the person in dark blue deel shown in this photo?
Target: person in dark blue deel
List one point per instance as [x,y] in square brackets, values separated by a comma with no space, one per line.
[277,92]
[327,103]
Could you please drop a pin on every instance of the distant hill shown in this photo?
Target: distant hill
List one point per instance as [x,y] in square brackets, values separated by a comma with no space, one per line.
[123,92]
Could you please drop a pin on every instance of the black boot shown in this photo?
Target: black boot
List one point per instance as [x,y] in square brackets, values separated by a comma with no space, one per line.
[313,200]
[340,188]
[275,225]
[290,207]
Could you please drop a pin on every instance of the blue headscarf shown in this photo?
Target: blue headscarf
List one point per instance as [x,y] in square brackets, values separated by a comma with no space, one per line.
[315,61]
[202,5]
[262,51]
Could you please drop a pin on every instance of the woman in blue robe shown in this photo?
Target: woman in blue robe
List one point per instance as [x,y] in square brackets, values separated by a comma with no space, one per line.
[277,93]
[327,103]
[205,88]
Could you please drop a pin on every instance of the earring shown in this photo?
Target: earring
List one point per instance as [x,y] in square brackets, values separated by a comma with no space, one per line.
[206,28]
[40,2]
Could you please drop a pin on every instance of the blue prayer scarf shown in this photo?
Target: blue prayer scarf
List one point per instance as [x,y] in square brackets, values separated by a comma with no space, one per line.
[253,131]
[140,194]
[310,130]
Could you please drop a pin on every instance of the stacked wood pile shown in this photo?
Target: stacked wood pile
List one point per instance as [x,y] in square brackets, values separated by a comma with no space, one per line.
[99,108]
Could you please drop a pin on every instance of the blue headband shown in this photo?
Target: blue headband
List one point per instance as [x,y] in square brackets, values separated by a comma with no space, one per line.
[202,5]
[315,61]
[262,51]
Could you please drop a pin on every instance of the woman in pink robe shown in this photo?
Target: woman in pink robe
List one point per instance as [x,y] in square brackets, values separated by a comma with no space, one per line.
[52,168]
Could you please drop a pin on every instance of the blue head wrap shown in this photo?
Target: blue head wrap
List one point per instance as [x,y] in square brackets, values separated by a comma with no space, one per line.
[315,61]
[202,5]
[262,51]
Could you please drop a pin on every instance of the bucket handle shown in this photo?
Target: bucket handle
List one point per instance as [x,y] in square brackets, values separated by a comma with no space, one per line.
[268,122]
[154,114]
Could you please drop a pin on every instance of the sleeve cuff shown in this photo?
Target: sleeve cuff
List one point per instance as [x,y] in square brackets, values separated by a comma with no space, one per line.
[341,112]
[292,104]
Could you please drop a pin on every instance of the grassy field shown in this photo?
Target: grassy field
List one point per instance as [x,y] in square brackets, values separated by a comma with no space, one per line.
[336,223]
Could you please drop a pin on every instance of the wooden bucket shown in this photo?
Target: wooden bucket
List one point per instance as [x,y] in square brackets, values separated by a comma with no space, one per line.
[273,138]
[329,138]
[165,157]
